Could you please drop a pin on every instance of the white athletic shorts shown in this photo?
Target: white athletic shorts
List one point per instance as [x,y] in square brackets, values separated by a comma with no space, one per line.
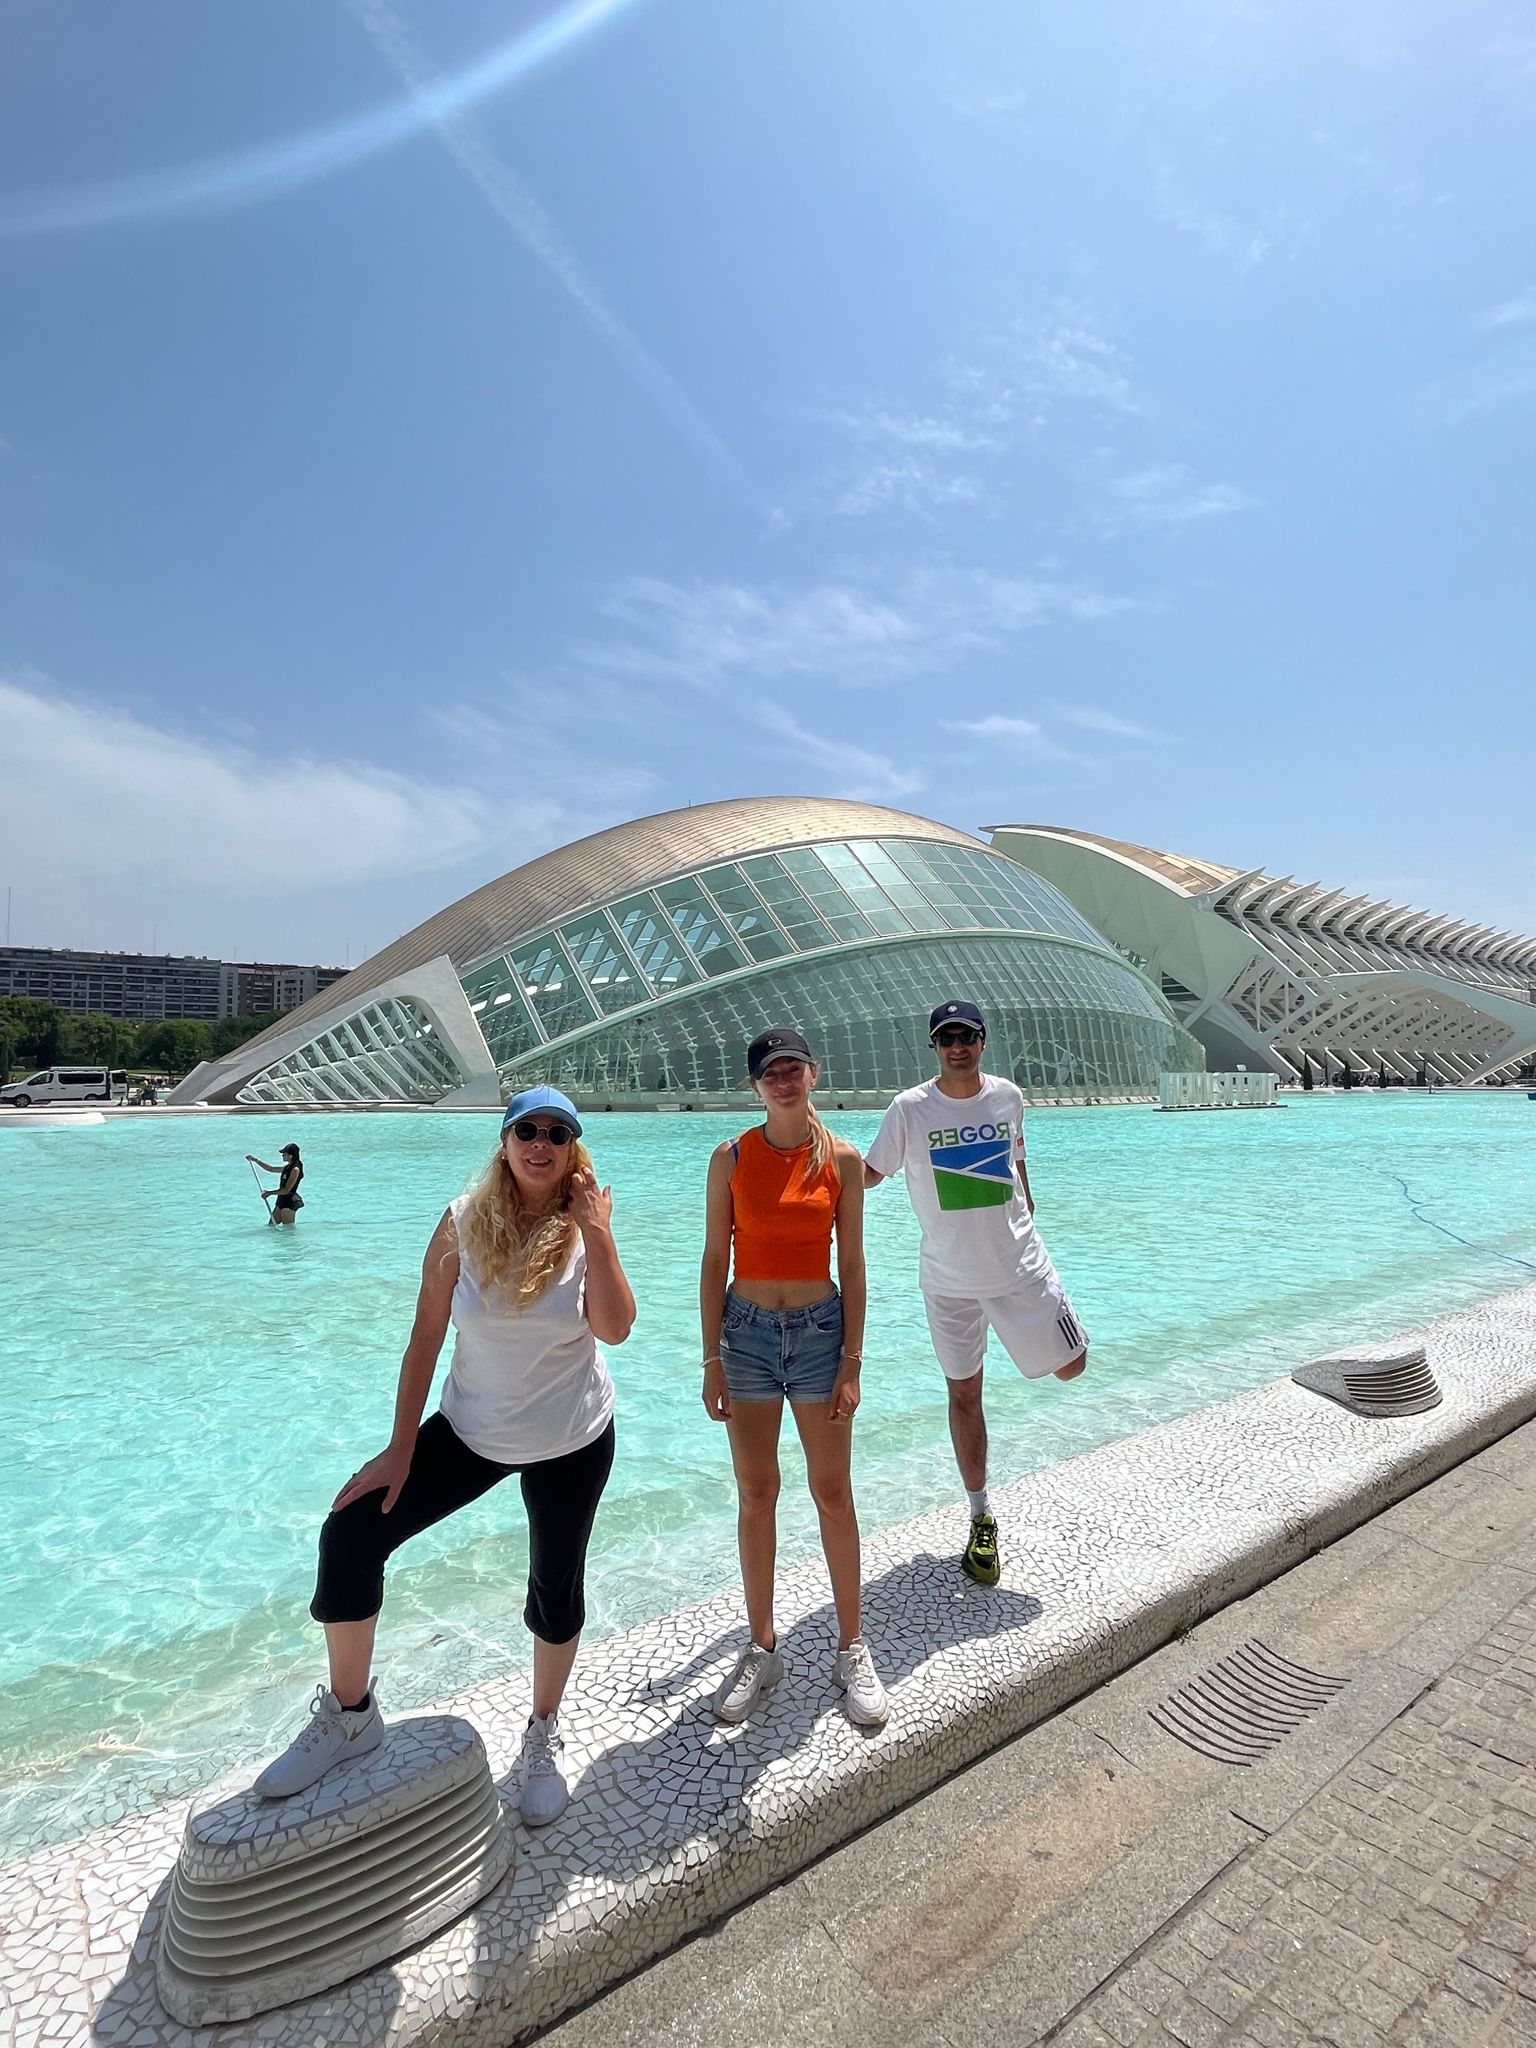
[1034,1323]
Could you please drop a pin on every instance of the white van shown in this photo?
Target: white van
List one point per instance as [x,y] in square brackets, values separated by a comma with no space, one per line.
[65,1084]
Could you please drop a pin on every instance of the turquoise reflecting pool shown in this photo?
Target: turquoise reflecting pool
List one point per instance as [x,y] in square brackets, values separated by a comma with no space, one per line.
[182,1389]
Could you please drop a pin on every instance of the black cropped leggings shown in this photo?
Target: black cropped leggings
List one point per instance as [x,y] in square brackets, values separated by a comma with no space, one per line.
[560,1494]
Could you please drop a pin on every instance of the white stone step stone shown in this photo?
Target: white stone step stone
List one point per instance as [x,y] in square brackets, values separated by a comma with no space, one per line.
[274,1900]
[1381,1380]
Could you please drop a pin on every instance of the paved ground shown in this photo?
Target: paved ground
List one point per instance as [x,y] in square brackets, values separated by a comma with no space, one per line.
[1369,1879]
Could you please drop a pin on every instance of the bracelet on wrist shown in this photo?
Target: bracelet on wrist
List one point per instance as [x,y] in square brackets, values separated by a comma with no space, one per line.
[716,1360]
[857,1355]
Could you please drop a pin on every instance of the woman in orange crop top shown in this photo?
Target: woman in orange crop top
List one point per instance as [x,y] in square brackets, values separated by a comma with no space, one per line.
[778,1195]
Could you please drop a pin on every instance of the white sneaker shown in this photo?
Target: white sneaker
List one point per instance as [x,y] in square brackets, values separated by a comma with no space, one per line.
[757,1671]
[859,1681]
[545,1794]
[335,1735]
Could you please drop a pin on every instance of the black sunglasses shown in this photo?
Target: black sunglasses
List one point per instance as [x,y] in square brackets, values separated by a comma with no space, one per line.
[525,1131]
[957,1034]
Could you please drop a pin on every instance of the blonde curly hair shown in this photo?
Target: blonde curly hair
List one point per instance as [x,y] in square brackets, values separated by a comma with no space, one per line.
[512,1249]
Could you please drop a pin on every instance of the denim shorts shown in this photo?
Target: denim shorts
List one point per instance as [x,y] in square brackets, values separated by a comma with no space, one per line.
[772,1354]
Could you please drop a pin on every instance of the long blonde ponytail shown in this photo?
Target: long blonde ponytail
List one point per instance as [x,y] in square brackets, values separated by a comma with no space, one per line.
[821,1145]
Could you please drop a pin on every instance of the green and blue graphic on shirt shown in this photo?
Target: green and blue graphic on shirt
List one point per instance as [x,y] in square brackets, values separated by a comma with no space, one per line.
[973,1165]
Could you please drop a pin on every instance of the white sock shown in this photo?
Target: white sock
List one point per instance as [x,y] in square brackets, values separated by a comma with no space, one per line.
[978,1501]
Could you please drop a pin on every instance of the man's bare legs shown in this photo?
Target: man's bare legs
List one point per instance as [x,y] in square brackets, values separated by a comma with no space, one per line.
[968,1431]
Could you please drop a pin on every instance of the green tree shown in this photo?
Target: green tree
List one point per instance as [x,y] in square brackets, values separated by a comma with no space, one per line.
[7,1049]
[176,1045]
[95,1040]
[38,1029]
[230,1032]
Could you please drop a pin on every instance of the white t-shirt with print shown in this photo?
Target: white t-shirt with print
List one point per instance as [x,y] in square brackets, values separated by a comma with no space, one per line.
[958,1153]
[525,1384]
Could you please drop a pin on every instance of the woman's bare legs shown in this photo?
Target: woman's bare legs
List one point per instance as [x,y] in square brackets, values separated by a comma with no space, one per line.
[551,1668]
[754,1433]
[828,1452]
[349,1646]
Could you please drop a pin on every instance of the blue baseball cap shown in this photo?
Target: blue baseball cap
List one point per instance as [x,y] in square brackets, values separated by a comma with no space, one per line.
[549,1100]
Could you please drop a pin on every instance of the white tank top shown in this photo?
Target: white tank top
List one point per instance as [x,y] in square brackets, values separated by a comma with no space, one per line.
[525,1384]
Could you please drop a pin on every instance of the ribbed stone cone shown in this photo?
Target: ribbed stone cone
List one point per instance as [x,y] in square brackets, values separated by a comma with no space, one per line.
[274,1900]
[1379,1381]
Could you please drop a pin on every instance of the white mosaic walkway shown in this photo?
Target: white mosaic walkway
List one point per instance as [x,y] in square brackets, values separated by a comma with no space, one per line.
[675,1820]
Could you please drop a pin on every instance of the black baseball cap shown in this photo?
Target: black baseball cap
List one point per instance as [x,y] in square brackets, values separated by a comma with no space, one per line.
[780,1044]
[957,1013]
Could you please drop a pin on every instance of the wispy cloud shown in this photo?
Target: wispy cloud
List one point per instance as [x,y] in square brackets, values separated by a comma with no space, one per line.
[1034,738]
[953,446]
[595,781]
[1243,244]
[853,770]
[1110,723]
[1167,494]
[794,663]
[933,434]
[997,726]
[1069,360]
[510,199]
[835,635]
[1507,377]
[1022,737]
[913,464]
[986,103]
[93,791]
[907,484]
[1519,311]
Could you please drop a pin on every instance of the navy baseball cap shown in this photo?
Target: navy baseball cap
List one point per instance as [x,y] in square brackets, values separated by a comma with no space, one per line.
[957,1013]
[549,1101]
[781,1044]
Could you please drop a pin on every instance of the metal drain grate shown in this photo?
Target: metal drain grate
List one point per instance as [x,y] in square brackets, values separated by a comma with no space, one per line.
[1375,1382]
[1245,1705]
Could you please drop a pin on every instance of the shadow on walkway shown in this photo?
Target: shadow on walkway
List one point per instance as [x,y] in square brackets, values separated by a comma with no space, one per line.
[647,1810]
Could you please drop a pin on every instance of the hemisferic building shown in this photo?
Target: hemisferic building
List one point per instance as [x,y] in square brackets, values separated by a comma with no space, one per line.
[632,968]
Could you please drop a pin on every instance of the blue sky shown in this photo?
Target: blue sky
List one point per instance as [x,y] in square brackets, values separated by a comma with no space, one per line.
[428,432]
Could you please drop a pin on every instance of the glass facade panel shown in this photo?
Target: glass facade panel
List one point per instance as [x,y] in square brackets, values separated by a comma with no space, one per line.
[648,933]
[922,866]
[613,981]
[825,893]
[745,912]
[505,1021]
[788,902]
[1062,1023]
[864,892]
[701,927]
[554,993]
[893,884]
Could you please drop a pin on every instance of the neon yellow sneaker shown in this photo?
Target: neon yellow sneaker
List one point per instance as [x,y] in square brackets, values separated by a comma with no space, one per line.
[980,1561]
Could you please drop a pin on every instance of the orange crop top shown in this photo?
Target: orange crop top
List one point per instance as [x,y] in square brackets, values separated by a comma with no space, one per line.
[782,1221]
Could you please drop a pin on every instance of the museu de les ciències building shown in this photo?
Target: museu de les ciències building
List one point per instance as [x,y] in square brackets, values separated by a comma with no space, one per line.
[1267,971]
[634,966]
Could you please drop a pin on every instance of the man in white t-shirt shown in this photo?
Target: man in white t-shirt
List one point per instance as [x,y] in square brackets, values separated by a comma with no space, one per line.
[960,1139]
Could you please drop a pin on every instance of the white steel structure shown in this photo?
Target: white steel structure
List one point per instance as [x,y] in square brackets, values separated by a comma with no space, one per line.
[1264,969]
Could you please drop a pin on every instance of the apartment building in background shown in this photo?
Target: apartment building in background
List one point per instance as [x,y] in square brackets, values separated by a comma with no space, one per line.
[141,986]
